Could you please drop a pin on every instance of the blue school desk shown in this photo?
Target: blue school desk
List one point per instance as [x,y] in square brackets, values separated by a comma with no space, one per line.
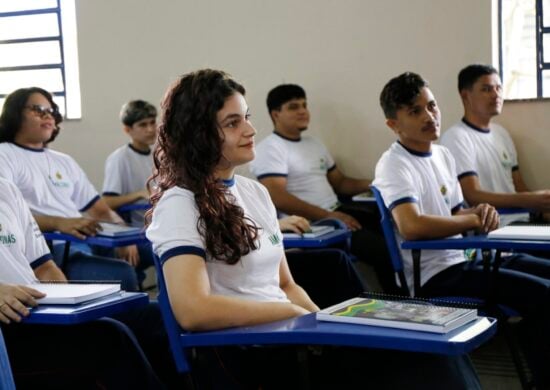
[331,238]
[478,242]
[133,207]
[87,311]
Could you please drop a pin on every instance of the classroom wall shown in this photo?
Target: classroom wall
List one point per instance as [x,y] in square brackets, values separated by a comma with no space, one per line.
[342,52]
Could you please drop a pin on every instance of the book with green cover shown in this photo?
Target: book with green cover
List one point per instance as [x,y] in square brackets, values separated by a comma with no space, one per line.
[404,314]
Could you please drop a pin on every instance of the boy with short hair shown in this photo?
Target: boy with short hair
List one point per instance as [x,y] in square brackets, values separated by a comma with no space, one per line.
[128,168]
[418,182]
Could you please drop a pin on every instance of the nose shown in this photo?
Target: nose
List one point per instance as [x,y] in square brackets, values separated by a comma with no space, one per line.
[250,130]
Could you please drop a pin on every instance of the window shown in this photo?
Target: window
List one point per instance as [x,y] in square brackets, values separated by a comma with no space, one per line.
[38,47]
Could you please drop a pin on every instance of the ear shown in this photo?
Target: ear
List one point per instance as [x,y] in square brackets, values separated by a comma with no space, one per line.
[464,95]
[127,129]
[392,124]
[274,114]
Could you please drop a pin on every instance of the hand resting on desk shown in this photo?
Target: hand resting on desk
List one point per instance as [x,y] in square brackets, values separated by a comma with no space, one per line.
[15,300]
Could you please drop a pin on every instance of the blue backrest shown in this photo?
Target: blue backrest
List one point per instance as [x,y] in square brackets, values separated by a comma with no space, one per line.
[391,242]
[6,377]
[172,327]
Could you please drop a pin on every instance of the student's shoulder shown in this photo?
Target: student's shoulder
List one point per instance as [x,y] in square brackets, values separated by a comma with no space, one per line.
[454,130]
[119,153]
[250,185]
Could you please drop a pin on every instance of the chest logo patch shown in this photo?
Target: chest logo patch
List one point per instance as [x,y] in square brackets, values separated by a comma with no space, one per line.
[7,239]
[274,239]
[443,190]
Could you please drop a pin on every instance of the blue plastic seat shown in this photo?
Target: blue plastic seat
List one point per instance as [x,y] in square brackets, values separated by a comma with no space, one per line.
[6,376]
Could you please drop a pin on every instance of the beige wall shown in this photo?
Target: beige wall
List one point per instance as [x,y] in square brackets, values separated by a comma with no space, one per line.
[528,123]
[342,52]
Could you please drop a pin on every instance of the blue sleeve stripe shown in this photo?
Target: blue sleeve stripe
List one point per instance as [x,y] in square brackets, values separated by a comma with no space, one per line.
[108,193]
[331,168]
[41,260]
[90,203]
[407,199]
[260,177]
[182,250]
[467,173]
[515,168]
[457,207]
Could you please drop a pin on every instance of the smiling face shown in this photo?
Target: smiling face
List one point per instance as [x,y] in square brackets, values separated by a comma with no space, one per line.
[38,122]
[237,134]
[418,124]
[484,99]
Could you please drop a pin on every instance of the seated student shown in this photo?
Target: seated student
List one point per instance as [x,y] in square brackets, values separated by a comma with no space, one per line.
[303,179]
[128,168]
[486,158]
[417,180]
[217,236]
[53,184]
[102,353]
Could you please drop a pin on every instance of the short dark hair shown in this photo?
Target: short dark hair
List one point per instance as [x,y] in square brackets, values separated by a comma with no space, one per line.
[11,118]
[400,91]
[137,110]
[282,94]
[468,76]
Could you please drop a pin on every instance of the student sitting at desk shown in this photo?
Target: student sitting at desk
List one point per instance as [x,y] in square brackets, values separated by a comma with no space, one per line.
[418,182]
[303,179]
[128,168]
[217,236]
[485,154]
[53,184]
[100,353]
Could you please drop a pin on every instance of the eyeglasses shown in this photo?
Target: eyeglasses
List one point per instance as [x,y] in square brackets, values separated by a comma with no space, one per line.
[42,111]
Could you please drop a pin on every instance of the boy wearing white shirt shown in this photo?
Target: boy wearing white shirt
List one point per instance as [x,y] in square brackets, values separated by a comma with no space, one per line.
[417,180]
[486,158]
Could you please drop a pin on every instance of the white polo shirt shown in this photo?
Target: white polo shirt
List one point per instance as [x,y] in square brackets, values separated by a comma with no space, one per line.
[22,246]
[174,232]
[127,170]
[52,183]
[429,180]
[305,164]
[489,154]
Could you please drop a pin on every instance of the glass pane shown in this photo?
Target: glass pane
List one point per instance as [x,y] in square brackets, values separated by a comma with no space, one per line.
[24,5]
[32,53]
[60,101]
[49,79]
[519,62]
[29,26]
[546,13]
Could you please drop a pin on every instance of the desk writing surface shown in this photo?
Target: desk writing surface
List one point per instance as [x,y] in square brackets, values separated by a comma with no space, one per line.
[110,242]
[477,242]
[133,207]
[88,311]
[331,238]
[307,330]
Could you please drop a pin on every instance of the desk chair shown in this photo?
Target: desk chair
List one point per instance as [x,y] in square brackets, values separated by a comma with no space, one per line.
[509,316]
[6,377]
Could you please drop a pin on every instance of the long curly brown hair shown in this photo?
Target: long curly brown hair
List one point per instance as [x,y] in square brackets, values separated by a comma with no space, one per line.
[188,150]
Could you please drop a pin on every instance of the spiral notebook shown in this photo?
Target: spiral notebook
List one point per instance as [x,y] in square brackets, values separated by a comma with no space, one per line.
[522,232]
[316,231]
[73,293]
[116,230]
[403,313]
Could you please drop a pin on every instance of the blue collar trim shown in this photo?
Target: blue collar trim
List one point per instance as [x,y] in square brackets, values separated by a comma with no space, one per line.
[288,139]
[38,150]
[416,153]
[474,127]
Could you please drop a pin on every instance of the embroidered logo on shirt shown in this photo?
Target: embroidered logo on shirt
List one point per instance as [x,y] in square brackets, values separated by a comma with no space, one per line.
[7,239]
[274,239]
[505,160]
[58,181]
[322,164]
[444,191]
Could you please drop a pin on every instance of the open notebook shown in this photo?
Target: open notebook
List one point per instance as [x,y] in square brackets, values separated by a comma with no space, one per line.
[73,293]
[115,230]
[522,232]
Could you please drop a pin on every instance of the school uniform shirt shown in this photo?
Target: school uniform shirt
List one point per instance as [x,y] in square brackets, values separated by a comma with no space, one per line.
[22,246]
[489,154]
[305,164]
[52,183]
[173,232]
[429,180]
[127,170]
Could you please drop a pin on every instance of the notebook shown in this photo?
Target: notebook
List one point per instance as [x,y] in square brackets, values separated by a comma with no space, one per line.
[522,232]
[73,293]
[115,230]
[403,314]
[366,196]
[316,231]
